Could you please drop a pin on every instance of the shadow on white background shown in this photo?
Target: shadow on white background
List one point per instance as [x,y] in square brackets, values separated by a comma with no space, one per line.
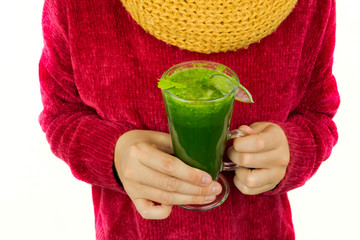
[40,199]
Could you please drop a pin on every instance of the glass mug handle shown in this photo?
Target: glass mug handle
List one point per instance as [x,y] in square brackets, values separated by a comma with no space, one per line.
[235,133]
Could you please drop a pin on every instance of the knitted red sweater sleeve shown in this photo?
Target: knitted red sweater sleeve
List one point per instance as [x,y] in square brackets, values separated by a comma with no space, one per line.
[75,132]
[310,130]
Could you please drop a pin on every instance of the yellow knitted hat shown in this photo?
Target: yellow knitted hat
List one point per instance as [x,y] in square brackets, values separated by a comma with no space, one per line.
[209,26]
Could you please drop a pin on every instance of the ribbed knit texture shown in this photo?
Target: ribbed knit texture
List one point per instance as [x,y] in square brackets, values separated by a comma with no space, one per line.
[209,26]
[98,76]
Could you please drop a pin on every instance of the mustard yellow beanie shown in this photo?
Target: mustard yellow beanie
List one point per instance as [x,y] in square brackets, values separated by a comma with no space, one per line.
[209,26]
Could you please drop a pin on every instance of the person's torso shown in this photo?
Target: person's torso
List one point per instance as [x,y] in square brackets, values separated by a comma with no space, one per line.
[117,66]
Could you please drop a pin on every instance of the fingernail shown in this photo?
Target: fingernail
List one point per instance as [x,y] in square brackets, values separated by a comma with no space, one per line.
[206,180]
[209,198]
[216,189]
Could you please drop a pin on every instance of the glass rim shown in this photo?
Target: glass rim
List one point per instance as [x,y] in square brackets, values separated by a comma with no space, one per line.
[199,100]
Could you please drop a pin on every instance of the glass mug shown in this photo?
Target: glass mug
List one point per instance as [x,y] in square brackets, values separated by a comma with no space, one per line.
[199,129]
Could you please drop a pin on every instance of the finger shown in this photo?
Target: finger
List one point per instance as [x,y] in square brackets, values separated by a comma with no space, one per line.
[148,210]
[254,160]
[268,139]
[251,191]
[247,129]
[254,181]
[172,166]
[165,182]
[173,198]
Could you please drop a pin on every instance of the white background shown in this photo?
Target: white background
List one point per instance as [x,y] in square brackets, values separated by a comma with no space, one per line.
[40,199]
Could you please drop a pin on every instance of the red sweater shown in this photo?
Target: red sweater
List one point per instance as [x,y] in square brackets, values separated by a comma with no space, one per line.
[98,75]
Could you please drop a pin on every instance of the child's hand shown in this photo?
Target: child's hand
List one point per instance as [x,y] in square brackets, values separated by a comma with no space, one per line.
[149,174]
[263,156]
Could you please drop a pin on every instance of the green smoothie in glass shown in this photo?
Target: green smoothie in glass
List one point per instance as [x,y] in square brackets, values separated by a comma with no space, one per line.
[199,115]
[199,98]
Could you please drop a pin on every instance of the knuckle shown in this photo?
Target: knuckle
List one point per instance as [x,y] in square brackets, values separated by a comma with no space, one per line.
[284,161]
[281,175]
[242,188]
[194,177]
[245,159]
[201,191]
[245,190]
[273,127]
[134,150]
[236,145]
[171,184]
[251,182]
[197,200]
[166,198]
[128,173]
[260,143]
[167,165]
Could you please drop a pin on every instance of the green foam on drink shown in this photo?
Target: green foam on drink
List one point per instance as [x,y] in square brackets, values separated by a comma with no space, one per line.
[193,84]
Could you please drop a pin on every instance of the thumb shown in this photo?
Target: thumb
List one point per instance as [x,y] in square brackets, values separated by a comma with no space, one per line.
[161,140]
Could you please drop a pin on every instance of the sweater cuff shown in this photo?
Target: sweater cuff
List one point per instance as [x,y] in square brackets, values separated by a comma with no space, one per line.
[92,159]
[116,176]
[302,158]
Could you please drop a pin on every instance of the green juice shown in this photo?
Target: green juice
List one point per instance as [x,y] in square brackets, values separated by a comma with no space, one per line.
[199,118]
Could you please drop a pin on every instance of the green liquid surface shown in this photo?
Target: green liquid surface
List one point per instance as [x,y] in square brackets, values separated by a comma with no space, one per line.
[199,117]
[195,84]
